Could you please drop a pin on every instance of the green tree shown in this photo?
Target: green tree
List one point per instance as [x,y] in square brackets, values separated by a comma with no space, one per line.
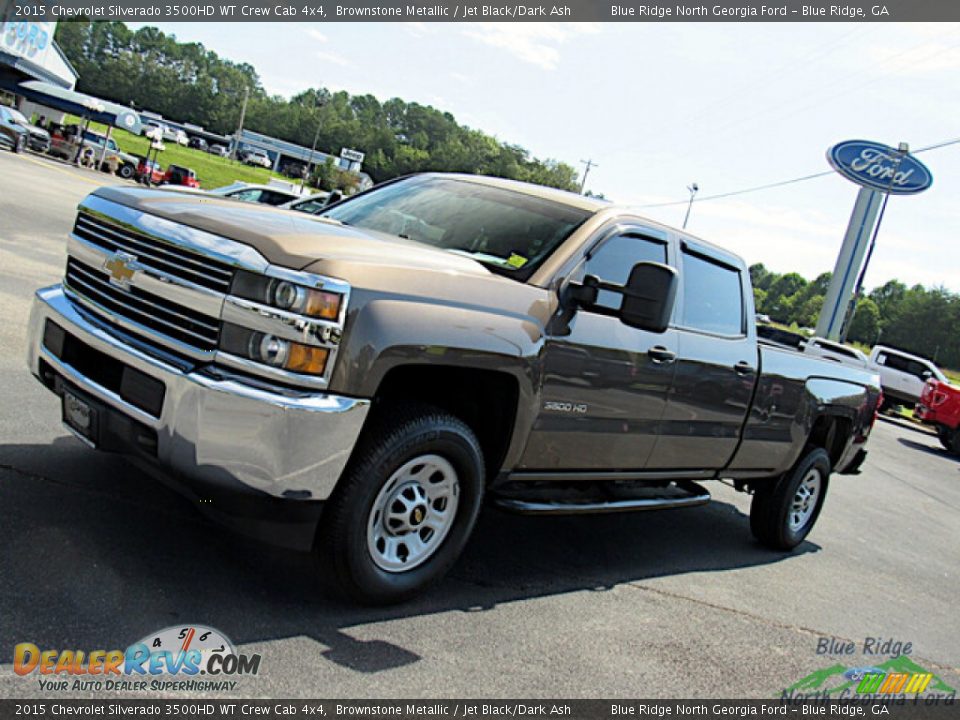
[866,322]
[151,70]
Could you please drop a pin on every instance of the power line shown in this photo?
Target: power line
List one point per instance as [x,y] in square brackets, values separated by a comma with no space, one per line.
[781,183]
[741,192]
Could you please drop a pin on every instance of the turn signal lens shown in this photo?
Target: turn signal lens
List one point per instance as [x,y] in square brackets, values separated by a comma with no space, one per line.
[306,359]
[287,355]
[322,305]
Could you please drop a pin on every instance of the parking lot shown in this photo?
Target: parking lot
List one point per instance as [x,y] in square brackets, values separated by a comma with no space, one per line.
[678,603]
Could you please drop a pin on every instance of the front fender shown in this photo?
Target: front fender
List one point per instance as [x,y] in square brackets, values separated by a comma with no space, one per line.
[390,332]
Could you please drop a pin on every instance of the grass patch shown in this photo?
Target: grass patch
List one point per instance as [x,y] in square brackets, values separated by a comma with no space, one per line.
[212,170]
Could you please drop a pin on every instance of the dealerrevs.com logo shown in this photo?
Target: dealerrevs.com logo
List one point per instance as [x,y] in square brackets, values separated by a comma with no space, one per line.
[181,657]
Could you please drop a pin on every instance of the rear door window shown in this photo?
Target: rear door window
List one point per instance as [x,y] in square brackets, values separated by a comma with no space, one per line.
[712,296]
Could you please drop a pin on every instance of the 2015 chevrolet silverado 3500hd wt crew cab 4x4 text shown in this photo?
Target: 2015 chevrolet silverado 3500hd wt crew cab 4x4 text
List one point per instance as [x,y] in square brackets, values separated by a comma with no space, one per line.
[358,383]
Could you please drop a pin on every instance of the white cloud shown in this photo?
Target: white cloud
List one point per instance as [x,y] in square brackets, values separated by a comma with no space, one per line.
[535,43]
[334,58]
[317,35]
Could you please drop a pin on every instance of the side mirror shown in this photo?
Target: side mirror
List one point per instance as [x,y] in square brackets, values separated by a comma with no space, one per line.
[648,296]
[927,374]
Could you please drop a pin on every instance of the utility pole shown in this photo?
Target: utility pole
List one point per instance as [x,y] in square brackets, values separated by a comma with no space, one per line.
[243,115]
[589,164]
[313,149]
[693,188]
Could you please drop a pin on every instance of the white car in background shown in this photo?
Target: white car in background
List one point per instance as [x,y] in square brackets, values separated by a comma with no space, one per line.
[838,352]
[263,194]
[902,375]
[256,157]
[310,204]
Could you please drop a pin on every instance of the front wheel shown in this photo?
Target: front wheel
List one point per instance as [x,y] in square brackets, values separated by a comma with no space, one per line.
[951,439]
[20,145]
[784,511]
[404,509]
[126,171]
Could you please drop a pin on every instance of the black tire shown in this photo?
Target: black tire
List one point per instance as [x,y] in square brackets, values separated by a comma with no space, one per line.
[952,442]
[400,436]
[854,467]
[770,511]
[20,145]
[943,434]
[126,171]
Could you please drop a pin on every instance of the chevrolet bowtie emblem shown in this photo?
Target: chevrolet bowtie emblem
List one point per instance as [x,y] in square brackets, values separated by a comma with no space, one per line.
[122,267]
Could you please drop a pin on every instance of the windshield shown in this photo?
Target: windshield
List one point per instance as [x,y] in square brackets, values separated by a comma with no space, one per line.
[17,116]
[510,231]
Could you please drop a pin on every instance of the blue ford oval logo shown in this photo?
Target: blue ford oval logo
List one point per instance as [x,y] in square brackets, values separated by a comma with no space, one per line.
[880,167]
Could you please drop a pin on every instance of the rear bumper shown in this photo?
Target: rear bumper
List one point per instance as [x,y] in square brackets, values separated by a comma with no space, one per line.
[216,432]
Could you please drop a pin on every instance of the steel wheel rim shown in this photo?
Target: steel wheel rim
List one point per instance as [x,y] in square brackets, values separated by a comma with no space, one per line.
[804,500]
[413,513]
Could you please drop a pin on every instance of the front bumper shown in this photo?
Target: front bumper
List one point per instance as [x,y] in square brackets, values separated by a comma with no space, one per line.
[213,428]
[38,144]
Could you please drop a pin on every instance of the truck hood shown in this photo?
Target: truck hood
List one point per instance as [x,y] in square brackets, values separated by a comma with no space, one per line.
[377,266]
[286,237]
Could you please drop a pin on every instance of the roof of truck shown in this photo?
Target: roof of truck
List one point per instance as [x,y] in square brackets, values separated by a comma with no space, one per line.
[547,193]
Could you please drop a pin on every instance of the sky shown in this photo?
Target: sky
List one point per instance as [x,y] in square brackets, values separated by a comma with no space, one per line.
[657,107]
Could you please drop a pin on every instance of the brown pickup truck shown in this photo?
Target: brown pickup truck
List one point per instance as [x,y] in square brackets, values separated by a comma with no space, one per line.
[358,383]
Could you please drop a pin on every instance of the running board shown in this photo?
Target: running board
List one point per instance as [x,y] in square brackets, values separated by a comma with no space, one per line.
[679,495]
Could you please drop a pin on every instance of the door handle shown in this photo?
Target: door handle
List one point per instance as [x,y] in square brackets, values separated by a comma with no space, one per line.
[661,355]
[743,368]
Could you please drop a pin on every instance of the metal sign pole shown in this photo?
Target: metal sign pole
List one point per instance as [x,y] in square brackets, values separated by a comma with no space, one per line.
[846,271]
[880,171]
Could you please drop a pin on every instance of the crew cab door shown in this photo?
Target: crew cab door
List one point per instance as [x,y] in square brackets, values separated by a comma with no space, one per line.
[605,384]
[717,364]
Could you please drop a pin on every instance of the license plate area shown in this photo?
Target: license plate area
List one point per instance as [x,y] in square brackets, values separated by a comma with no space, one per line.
[80,416]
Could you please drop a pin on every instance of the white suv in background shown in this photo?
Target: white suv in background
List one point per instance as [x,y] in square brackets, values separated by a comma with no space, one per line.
[838,352]
[256,157]
[902,375]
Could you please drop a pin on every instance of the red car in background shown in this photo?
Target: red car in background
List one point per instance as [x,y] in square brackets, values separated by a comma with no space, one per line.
[940,406]
[149,172]
[179,175]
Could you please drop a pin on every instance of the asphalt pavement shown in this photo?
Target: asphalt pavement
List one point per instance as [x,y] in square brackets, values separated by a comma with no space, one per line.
[681,603]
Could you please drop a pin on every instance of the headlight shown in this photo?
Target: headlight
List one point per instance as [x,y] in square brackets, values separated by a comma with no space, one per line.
[288,296]
[273,351]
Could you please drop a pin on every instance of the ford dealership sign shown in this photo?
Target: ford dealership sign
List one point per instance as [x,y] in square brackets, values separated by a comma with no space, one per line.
[877,166]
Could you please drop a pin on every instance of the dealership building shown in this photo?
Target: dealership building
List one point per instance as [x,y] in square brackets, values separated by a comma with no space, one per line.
[282,153]
[33,68]
[28,53]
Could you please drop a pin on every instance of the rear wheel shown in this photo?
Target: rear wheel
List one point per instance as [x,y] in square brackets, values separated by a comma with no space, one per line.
[783,512]
[405,507]
[21,144]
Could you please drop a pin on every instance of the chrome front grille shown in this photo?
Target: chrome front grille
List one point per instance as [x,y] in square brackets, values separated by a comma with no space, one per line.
[169,284]
[155,253]
[143,308]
